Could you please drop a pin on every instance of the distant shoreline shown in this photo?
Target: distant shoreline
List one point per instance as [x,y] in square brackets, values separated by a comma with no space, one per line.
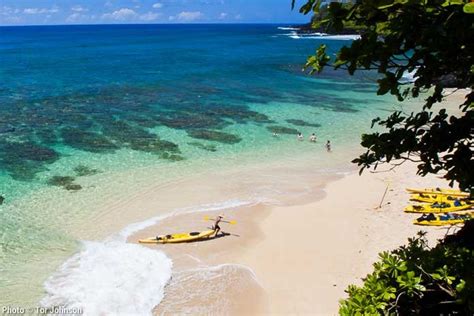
[307,28]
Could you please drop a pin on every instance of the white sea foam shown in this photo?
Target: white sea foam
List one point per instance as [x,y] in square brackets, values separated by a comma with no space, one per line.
[288,28]
[110,278]
[317,34]
[117,278]
[326,37]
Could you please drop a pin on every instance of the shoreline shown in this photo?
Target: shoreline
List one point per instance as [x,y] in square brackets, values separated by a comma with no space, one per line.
[335,246]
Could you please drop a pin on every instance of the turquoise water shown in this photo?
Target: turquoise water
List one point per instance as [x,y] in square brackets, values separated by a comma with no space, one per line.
[81,104]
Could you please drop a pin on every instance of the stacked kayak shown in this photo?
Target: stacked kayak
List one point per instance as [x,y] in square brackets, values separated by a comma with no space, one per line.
[440,206]
[177,238]
[436,207]
[432,198]
[443,219]
[451,192]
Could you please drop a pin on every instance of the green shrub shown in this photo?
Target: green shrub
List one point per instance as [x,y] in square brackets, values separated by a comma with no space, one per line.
[418,280]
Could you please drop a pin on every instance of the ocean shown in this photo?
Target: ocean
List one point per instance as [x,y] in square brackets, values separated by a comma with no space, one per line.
[89,115]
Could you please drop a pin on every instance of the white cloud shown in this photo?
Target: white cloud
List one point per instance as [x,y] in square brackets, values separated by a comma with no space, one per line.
[7,15]
[54,9]
[108,4]
[78,18]
[150,16]
[78,8]
[187,16]
[222,16]
[237,17]
[121,15]
[31,10]
[73,18]
[127,14]
[157,5]
[8,10]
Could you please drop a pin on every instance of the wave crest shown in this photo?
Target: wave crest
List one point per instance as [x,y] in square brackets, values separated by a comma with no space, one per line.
[110,278]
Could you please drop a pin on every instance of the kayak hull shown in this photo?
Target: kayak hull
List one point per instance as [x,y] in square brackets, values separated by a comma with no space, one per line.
[432,198]
[178,238]
[438,221]
[451,192]
[431,209]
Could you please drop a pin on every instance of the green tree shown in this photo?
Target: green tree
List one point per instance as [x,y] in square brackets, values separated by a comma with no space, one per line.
[435,40]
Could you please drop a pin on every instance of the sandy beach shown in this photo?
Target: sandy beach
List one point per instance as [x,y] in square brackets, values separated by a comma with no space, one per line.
[292,259]
[297,256]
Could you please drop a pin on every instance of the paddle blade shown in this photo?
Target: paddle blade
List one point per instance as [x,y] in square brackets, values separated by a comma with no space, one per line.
[208,218]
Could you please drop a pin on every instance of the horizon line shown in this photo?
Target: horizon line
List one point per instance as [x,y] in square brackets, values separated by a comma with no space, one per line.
[163,23]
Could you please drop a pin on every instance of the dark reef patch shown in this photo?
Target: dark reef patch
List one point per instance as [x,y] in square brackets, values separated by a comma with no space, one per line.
[60,181]
[137,138]
[73,187]
[188,120]
[66,182]
[7,129]
[87,141]
[124,133]
[302,123]
[27,151]
[215,136]
[156,146]
[207,147]
[47,136]
[171,157]
[23,160]
[282,130]
[82,171]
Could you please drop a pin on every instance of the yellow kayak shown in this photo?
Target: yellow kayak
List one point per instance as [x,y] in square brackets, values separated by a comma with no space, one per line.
[176,238]
[432,198]
[443,219]
[451,192]
[443,207]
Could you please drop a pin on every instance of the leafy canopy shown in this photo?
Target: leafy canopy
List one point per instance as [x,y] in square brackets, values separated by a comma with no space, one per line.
[434,39]
[418,280]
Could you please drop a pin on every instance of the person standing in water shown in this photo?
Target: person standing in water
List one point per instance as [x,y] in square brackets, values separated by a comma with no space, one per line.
[328,146]
[312,138]
[216,226]
[300,136]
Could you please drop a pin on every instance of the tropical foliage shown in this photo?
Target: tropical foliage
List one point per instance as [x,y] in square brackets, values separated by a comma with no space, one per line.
[433,40]
[418,280]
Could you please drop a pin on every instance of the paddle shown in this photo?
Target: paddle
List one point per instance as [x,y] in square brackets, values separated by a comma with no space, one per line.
[208,218]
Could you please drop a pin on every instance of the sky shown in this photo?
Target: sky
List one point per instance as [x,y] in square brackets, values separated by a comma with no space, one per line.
[50,12]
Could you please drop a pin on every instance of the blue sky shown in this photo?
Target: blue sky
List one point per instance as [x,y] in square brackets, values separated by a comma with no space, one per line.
[26,12]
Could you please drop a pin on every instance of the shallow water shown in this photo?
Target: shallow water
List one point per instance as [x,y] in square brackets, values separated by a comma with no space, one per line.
[90,115]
